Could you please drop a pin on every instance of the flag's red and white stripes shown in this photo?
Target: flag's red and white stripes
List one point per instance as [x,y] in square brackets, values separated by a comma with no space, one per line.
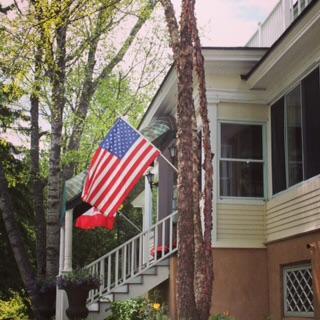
[110,179]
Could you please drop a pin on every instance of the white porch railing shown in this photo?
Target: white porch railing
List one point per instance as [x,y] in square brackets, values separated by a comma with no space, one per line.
[277,22]
[134,257]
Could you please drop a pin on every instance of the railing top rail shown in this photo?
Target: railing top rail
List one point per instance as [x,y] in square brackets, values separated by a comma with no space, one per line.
[131,240]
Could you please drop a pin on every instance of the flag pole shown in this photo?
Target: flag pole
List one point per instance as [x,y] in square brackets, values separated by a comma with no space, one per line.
[122,215]
[163,157]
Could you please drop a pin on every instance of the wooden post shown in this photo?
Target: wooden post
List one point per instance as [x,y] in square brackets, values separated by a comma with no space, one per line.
[173,288]
[315,263]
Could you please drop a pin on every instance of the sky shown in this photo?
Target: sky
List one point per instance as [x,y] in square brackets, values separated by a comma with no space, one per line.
[229,22]
[224,22]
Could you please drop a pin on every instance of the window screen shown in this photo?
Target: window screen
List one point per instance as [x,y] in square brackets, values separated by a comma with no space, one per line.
[241,160]
[278,149]
[311,127]
[293,135]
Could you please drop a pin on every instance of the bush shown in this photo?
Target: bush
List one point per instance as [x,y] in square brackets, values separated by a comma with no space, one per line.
[136,309]
[14,309]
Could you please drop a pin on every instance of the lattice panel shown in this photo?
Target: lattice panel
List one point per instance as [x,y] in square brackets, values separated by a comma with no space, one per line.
[298,290]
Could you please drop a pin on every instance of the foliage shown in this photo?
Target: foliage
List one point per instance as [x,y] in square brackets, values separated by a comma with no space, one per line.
[78,277]
[222,316]
[16,170]
[14,308]
[137,309]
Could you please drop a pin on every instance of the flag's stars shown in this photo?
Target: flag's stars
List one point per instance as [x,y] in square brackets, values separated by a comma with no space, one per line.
[120,138]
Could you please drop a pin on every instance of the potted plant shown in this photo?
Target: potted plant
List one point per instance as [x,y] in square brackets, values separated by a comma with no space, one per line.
[77,285]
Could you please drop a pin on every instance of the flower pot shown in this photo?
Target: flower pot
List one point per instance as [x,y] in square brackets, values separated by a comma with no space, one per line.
[77,297]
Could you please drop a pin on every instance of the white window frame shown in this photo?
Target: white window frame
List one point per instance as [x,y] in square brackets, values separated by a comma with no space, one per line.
[285,308]
[232,199]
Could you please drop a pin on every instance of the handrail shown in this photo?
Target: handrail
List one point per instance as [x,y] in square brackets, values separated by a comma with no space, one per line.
[135,256]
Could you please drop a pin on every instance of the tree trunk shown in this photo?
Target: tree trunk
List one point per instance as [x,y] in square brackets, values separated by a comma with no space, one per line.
[37,184]
[185,110]
[204,292]
[200,262]
[54,180]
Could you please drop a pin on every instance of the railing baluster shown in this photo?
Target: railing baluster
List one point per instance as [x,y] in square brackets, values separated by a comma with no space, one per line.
[132,257]
[109,274]
[140,251]
[124,267]
[102,271]
[170,233]
[155,243]
[163,237]
[117,268]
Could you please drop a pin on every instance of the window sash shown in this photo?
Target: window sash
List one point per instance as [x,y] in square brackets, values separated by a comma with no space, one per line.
[248,161]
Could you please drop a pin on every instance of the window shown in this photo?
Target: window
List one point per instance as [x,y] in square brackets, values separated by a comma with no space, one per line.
[241,160]
[298,293]
[294,132]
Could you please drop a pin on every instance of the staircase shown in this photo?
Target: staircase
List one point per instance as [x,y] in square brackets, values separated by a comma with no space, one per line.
[133,268]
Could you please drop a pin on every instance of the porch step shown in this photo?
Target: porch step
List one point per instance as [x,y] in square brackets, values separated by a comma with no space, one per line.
[136,287]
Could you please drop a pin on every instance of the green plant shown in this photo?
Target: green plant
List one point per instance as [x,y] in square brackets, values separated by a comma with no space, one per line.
[78,277]
[222,316]
[137,309]
[14,308]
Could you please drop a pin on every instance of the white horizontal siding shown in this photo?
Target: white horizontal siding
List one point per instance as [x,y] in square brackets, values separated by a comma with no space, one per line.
[240,225]
[294,211]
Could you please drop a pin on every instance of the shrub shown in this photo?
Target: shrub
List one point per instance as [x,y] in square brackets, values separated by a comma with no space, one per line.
[16,308]
[136,309]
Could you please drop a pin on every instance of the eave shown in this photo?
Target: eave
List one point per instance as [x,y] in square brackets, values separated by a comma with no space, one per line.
[302,34]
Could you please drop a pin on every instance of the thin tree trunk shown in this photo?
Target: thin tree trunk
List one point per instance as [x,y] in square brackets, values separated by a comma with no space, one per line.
[200,262]
[54,180]
[185,110]
[205,290]
[37,183]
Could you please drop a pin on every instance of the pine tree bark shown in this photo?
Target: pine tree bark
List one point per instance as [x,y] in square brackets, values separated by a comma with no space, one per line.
[181,43]
[204,290]
[185,275]
[200,268]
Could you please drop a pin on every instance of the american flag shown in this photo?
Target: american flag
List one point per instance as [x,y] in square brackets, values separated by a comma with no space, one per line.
[116,167]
